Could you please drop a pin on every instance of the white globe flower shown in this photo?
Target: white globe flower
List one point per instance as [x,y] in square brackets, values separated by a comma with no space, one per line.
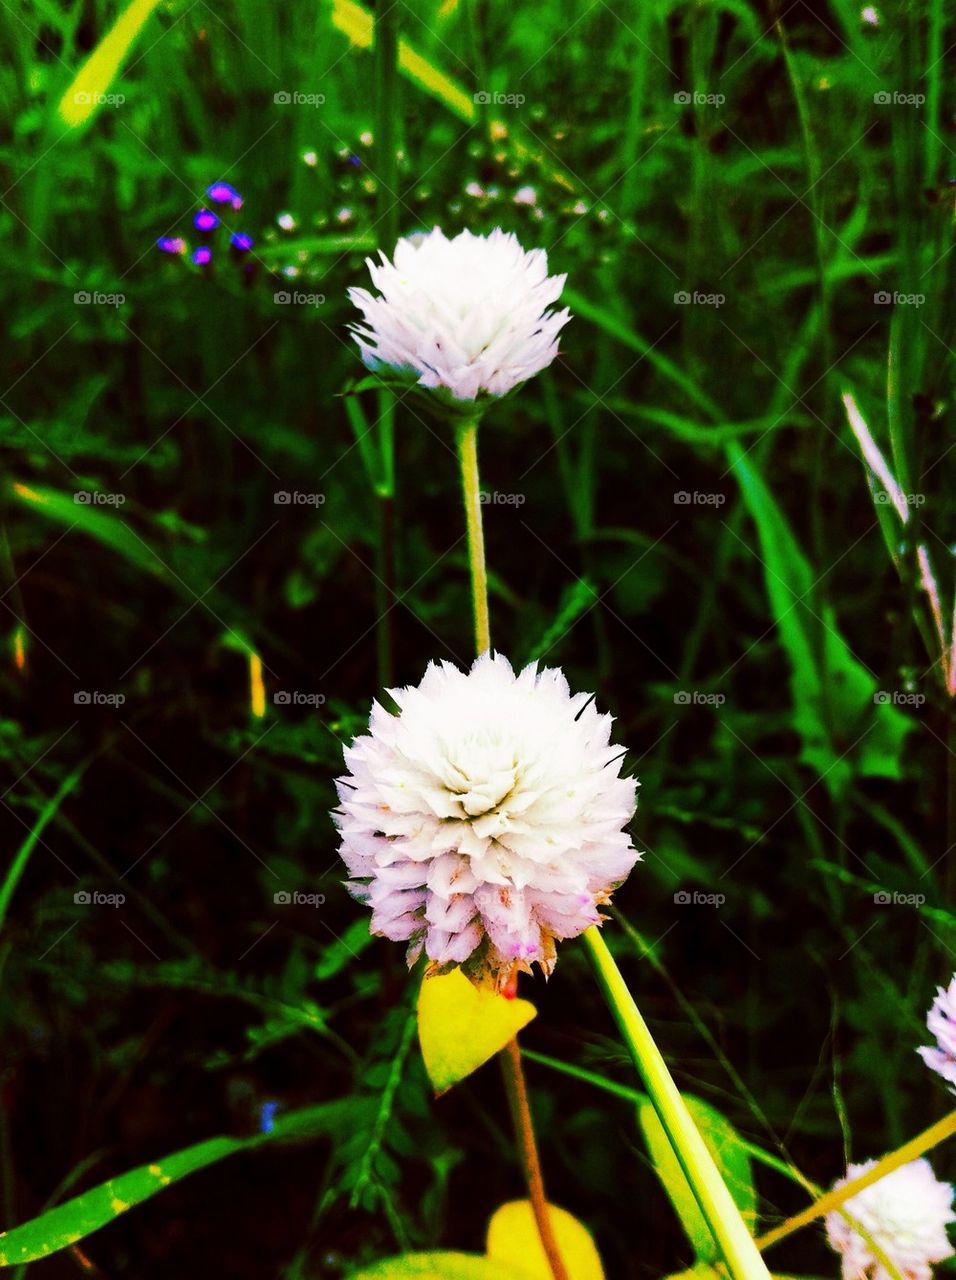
[941,1021]
[466,317]
[905,1214]
[485,819]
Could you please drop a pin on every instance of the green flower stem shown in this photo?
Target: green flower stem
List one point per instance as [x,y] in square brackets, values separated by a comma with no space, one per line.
[911,1150]
[466,439]
[716,1203]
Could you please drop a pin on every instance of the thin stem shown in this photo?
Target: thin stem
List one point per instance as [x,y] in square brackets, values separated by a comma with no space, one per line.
[715,1201]
[388,117]
[911,1150]
[467,442]
[466,437]
[517,1091]
[384,584]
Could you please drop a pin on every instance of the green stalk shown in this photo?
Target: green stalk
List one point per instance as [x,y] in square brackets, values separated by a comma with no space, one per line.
[715,1201]
[388,114]
[466,439]
[17,867]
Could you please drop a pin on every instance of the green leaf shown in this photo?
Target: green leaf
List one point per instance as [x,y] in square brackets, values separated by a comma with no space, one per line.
[64,1225]
[843,728]
[461,1026]
[99,522]
[438,1266]
[730,1156]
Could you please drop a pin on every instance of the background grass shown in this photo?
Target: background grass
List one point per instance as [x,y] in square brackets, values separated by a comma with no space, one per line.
[785,193]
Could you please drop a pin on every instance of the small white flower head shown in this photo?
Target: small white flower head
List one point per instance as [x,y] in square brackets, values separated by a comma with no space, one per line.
[905,1214]
[466,318]
[485,819]
[941,1021]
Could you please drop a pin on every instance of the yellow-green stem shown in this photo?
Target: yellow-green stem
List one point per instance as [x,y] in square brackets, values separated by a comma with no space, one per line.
[467,441]
[716,1203]
[911,1150]
[466,438]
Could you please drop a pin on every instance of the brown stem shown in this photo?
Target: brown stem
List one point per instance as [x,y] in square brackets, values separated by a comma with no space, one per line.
[517,1091]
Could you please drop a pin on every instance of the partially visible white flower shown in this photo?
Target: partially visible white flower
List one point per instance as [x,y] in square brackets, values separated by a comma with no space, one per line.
[467,316]
[485,819]
[941,1021]
[905,1214]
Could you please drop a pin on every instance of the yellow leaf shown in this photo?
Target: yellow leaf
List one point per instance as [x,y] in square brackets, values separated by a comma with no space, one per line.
[460,1026]
[89,89]
[513,1241]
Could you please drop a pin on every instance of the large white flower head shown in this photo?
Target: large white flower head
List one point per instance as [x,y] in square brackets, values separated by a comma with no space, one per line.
[466,317]
[941,1021]
[485,819]
[905,1214]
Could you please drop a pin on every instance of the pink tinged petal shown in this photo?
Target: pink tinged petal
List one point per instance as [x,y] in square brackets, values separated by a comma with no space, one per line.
[448,948]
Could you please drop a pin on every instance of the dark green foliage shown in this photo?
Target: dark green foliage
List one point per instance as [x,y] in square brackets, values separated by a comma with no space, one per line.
[143,1028]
